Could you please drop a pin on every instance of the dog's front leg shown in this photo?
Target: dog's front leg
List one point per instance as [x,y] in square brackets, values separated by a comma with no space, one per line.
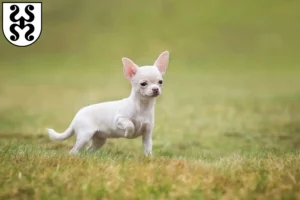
[126,126]
[147,140]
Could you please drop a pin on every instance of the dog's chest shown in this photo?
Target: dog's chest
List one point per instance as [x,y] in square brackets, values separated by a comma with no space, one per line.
[141,124]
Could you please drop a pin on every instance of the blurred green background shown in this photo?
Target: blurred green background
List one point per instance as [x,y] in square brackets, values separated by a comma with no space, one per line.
[219,33]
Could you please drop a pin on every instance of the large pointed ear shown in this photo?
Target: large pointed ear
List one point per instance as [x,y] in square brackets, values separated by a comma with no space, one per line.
[129,68]
[162,62]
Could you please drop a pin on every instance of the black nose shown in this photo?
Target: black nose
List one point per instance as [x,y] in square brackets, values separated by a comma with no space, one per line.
[155,90]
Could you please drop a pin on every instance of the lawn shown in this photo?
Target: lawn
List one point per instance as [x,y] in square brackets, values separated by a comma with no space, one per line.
[219,134]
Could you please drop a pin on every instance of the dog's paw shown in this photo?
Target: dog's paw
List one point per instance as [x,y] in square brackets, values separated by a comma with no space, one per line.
[148,154]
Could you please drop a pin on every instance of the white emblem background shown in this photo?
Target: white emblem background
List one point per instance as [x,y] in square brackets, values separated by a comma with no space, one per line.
[37,22]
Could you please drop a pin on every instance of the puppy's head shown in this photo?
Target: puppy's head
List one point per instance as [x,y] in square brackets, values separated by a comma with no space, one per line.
[147,81]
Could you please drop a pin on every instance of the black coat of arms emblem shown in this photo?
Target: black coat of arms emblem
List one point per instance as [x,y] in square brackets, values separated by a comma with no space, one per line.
[22,22]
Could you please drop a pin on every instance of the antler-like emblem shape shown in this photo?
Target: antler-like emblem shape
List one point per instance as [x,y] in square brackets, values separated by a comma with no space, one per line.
[22,21]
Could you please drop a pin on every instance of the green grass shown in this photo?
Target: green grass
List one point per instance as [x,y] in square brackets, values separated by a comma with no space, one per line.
[219,135]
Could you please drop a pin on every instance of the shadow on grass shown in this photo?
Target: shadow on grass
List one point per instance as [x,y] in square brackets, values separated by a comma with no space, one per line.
[41,143]
[21,136]
[35,140]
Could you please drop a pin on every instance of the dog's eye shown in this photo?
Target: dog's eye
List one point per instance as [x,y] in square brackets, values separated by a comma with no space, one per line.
[144,83]
[160,82]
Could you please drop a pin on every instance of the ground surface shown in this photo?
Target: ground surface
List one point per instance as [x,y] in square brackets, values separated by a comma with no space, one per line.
[228,134]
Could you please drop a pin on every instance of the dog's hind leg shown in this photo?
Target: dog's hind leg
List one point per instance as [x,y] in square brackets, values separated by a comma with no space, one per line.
[82,139]
[97,143]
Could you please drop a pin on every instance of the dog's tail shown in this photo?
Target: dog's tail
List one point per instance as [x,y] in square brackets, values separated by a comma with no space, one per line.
[53,135]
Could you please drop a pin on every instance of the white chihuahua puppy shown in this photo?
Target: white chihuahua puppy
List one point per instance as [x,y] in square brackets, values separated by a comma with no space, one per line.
[129,118]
